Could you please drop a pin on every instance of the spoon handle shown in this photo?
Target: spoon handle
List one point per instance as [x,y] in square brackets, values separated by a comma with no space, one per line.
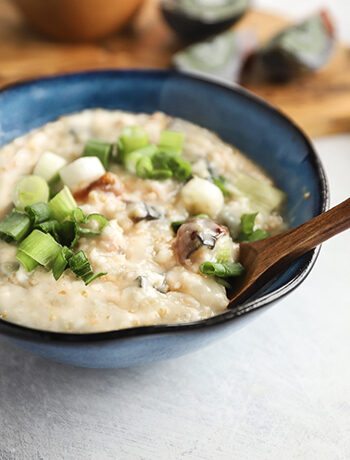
[293,243]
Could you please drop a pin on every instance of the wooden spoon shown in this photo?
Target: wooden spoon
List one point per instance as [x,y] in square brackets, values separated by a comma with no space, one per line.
[265,258]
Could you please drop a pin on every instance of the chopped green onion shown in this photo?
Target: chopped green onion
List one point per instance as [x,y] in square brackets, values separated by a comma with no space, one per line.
[63,204]
[257,235]
[171,141]
[48,166]
[38,212]
[51,226]
[61,262]
[78,215]
[181,168]
[28,263]
[41,247]
[14,227]
[69,234]
[79,218]
[176,225]
[99,149]
[220,182]
[100,220]
[132,138]
[30,190]
[162,166]
[55,186]
[144,168]
[247,232]
[131,159]
[80,266]
[222,270]
[161,174]
[247,223]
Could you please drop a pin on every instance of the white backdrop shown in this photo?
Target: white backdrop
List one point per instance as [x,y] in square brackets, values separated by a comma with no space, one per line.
[277,390]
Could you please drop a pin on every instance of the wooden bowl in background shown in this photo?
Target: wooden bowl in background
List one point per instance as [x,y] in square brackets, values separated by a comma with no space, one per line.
[78,20]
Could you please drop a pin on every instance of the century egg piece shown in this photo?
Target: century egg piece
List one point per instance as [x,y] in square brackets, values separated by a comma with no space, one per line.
[198,19]
[300,48]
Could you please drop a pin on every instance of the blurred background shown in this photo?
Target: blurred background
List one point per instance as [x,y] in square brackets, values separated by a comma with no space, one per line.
[290,53]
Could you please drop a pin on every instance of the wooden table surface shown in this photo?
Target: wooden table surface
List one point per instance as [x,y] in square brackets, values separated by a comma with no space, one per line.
[319,103]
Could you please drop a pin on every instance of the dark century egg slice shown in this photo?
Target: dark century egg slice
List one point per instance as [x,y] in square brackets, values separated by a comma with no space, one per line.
[198,19]
[300,48]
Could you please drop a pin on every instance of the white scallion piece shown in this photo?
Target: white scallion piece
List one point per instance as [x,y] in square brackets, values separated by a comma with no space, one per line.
[202,197]
[79,174]
[49,165]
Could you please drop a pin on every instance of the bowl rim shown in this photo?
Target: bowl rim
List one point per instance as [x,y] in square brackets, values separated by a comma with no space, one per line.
[14,330]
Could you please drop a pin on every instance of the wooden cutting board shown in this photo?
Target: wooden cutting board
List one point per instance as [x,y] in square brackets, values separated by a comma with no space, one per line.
[319,103]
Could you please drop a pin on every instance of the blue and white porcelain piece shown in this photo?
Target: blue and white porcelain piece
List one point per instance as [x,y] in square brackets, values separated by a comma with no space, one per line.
[240,118]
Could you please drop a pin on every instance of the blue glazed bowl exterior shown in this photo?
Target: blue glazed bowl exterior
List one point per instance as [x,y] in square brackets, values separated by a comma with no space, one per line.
[241,119]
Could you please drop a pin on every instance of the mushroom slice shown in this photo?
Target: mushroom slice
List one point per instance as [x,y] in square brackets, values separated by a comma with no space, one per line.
[141,211]
[196,233]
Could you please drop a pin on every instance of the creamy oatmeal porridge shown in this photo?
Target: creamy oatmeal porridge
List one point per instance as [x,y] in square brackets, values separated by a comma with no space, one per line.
[163,205]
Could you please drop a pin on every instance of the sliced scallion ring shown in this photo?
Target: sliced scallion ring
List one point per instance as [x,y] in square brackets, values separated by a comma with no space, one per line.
[101,150]
[171,141]
[30,190]
[61,262]
[131,159]
[80,266]
[14,227]
[63,204]
[132,138]
[28,263]
[38,212]
[41,247]
[222,270]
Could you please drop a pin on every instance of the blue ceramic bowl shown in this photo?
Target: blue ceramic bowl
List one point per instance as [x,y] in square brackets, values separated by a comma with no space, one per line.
[241,119]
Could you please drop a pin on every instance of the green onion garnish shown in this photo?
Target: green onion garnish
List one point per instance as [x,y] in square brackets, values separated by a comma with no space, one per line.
[80,266]
[14,227]
[222,270]
[61,262]
[162,166]
[171,141]
[131,159]
[132,138]
[51,226]
[176,225]
[144,168]
[30,190]
[48,166]
[63,204]
[41,247]
[247,232]
[38,212]
[99,149]
[100,220]
[79,218]
[28,263]
[181,168]
[220,182]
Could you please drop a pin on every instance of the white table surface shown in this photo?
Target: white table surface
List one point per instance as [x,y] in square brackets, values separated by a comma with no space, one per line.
[278,389]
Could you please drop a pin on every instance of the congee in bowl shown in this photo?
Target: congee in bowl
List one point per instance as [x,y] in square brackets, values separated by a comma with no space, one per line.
[113,220]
